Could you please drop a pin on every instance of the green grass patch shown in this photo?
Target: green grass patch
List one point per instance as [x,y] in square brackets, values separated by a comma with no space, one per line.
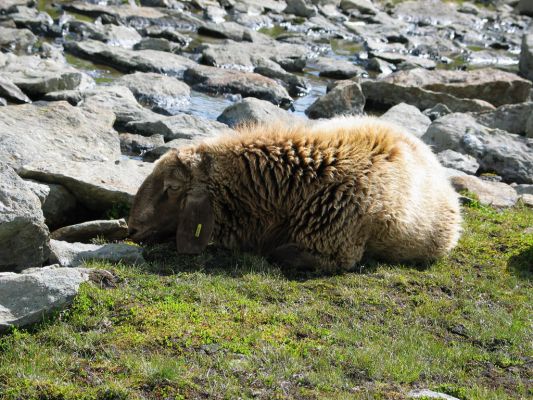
[225,325]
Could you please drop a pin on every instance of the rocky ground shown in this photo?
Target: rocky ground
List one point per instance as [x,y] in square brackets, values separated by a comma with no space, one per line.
[93,92]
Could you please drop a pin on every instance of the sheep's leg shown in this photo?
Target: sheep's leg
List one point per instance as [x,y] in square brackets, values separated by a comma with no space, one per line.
[291,255]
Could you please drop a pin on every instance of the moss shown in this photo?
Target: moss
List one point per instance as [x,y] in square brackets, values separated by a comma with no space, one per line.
[227,325]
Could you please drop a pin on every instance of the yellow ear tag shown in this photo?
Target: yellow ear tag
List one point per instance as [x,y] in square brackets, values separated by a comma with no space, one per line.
[198,230]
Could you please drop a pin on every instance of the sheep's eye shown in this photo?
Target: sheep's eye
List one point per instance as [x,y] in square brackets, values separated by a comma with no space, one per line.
[172,189]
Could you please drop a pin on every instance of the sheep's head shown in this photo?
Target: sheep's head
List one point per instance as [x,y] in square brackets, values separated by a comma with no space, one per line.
[172,202]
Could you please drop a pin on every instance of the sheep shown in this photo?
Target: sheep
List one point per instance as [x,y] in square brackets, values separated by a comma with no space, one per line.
[311,197]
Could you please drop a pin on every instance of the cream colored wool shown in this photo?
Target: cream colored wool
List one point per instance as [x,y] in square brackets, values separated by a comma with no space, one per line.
[308,196]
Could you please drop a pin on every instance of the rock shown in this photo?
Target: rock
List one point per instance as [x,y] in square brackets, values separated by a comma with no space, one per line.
[16,40]
[408,117]
[130,60]
[84,232]
[523,189]
[59,206]
[38,22]
[525,64]
[525,7]
[117,99]
[159,44]
[337,69]
[404,61]
[437,111]
[9,6]
[227,30]
[99,186]
[526,199]
[113,35]
[23,235]
[381,66]
[295,85]
[248,84]
[458,161]
[10,91]
[300,8]
[160,92]
[258,6]
[215,14]
[487,84]
[26,298]
[156,153]
[76,254]
[246,56]
[3,102]
[363,6]
[428,394]
[496,194]
[182,126]
[132,144]
[380,93]
[506,154]
[167,33]
[511,117]
[56,131]
[432,13]
[345,99]
[36,76]
[251,110]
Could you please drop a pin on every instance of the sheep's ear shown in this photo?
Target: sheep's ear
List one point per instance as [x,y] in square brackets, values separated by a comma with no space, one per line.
[195,224]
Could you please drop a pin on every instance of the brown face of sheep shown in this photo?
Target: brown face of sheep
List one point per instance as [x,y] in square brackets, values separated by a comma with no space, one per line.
[168,204]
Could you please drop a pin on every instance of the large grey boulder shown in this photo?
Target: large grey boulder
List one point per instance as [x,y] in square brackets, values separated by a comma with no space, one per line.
[113,35]
[24,239]
[246,56]
[112,229]
[525,64]
[346,98]
[512,118]
[248,84]
[461,91]
[508,155]
[77,254]
[36,76]
[409,117]
[98,186]
[160,92]
[16,39]
[56,132]
[26,298]
[458,161]
[58,204]
[11,92]
[131,60]
[182,126]
[253,111]
[496,194]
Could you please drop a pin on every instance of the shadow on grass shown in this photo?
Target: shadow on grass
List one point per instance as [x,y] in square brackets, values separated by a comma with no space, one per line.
[163,259]
[521,264]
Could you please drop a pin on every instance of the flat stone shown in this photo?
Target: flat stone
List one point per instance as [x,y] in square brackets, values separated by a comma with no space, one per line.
[160,92]
[114,229]
[167,33]
[56,132]
[16,39]
[182,126]
[36,76]
[23,234]
[512,118]
[409,117]
[11,92]
[131,60]
[159,44]
[113,35]
[248,84]
[98,186]
[337,69]
[77,254]
[496,194]
[345,99]
[26,298]
[506,154]
[458,161]
[227,30]
[487,84]
[300,8]
[137,145]
[254,111]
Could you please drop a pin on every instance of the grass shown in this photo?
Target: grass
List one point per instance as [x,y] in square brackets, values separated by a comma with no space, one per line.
[226,326]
